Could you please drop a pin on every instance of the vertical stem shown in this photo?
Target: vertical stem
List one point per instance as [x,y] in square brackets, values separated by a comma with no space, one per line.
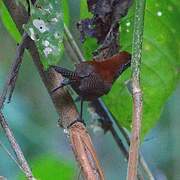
[137,94]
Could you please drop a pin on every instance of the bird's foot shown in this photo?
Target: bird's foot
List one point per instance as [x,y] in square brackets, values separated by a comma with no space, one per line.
[64,82]
[74,122]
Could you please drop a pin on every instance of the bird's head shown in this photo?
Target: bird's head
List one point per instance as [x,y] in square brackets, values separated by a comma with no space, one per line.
[122,61]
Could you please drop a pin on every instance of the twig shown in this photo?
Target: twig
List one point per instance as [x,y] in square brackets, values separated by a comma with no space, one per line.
[73,44]
[137,94]
[10,155]
[9,86]
[13,73]
[119,143]
[16,148]
[145,167]
[63,104]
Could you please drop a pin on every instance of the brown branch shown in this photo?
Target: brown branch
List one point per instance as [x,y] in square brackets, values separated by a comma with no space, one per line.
[16,148]
[82,145]
[13,73]
[65,108]
[9,87]
[137,94]
[78,134]
[135,139]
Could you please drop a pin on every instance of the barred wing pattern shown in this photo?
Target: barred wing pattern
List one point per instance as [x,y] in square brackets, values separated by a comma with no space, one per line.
[93,86]
[66,73]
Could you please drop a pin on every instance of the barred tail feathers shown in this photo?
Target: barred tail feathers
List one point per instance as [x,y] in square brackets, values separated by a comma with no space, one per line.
[65,72]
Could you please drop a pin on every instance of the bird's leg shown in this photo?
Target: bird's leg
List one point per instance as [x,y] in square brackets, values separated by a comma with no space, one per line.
[78,98]
[81,110]
[65,82]
[80,119]
[81,113]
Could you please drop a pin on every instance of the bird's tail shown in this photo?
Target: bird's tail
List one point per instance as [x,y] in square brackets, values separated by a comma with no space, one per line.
[66,73]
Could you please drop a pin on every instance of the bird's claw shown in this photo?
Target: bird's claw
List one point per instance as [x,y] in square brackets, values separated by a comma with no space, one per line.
[64,82]
[74,122]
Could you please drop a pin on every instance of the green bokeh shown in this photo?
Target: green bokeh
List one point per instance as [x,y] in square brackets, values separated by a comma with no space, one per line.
[48,166]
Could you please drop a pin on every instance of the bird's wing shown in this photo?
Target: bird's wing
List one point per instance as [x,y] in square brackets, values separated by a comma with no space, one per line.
[84,69]
[95,84]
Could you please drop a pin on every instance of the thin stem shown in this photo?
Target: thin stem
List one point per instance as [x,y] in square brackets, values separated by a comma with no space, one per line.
[145,167]
[73,43]
[9,86]
[10,155]
[16,148]
[137,94]
[13,73]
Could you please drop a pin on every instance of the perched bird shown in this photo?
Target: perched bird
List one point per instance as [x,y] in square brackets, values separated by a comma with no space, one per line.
[93,79]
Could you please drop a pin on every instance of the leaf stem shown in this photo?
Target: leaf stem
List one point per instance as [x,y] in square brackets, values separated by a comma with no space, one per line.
[13,73]
[137,94]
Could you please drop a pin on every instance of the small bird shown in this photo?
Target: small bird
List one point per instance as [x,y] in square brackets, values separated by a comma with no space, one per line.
[93,79]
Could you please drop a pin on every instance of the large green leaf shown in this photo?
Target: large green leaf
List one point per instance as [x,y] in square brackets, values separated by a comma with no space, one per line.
[45,27]
[160,64]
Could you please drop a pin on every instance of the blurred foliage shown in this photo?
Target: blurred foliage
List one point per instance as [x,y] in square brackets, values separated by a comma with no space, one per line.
[47,166]
[160,62]
[89,45]
[8,22]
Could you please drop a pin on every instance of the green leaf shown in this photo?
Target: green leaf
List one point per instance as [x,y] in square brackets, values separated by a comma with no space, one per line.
[50,167]
[65,9]
[160,63]
[9,23]
[45,27]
